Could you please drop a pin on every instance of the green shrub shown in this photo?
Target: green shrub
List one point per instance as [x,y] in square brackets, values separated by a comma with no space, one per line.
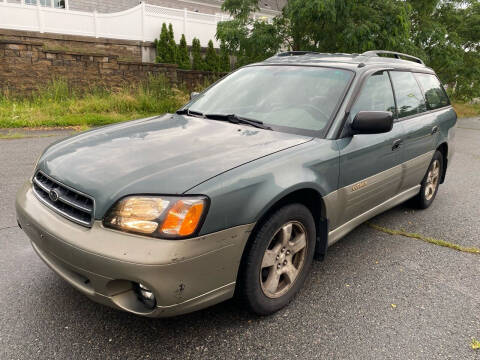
[183,58]
[172,46]
[162,45]
[212,61]
[198,62]
[166,47]
[169,53]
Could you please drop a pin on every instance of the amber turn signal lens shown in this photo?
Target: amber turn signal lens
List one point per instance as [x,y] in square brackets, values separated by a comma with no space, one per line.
[183,218]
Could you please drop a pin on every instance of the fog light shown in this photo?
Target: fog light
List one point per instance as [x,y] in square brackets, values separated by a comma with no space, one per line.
[145,295]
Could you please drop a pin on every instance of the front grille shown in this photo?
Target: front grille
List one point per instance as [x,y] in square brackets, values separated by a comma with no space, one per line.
[66,201]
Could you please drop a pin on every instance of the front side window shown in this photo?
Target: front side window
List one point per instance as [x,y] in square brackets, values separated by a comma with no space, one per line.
[376,95]
[409,97]
[286,98]
[433,90]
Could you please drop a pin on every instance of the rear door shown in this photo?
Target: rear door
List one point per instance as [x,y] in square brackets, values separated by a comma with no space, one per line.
[419,126]
[370,171]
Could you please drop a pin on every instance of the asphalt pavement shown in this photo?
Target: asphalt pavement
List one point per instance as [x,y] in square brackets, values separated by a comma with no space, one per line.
[376,296]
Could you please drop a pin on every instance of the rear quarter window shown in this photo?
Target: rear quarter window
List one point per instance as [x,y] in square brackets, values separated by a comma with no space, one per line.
[434,93]
[410,99]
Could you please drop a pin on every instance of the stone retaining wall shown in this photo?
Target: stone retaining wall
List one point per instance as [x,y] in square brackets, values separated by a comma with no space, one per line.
[126,49]
[26,66]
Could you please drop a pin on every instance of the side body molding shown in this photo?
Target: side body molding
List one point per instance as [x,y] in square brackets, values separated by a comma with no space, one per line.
[358,195]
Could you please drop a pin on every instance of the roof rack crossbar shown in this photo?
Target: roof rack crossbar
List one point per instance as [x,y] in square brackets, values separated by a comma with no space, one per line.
[397,55]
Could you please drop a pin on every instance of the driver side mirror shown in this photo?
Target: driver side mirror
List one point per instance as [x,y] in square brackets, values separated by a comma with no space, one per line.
[372,122]
[193,95]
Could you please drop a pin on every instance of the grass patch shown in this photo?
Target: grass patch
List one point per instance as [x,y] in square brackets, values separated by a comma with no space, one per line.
[59,105]
[430,240]
[12,136]
[465,110]
[475,344]
[17,135]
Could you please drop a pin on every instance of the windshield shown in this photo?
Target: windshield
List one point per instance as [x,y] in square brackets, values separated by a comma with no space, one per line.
[282,97]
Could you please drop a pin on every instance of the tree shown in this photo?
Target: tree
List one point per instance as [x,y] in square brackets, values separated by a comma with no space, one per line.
[321,25]
[346,26]
[172,46]
[212,61]
[198,63]
[249,40]
[241,9]
[162,45]
[224,58]
[444,33]
[183,58]
[166,46]
[170,32]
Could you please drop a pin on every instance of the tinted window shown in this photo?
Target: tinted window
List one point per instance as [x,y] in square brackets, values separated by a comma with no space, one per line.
[283,97]
[376,95]
[409,97]
[434,93]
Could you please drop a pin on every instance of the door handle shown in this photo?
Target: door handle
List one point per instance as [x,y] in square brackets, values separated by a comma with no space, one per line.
[434,129]
[396,144]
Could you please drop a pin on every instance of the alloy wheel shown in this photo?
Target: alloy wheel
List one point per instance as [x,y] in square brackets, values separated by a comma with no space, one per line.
[283,259]
[433,177]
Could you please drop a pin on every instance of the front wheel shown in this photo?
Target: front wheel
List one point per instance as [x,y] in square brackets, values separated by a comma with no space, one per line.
[277,260]
[430,182]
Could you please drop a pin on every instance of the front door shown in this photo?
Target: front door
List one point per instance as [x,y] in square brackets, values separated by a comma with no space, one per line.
[370,165]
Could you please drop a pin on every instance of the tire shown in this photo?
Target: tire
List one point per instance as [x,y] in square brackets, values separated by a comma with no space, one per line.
[276,251]
[430,183]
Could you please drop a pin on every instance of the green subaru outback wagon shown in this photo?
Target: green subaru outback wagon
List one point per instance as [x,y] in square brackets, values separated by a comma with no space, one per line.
[243,187]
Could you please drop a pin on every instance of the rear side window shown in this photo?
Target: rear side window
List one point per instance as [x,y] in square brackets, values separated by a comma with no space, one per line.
[376,95]
[410,99]
[434,92]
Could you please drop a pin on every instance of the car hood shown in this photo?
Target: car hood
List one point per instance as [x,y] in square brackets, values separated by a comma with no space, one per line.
[161,155]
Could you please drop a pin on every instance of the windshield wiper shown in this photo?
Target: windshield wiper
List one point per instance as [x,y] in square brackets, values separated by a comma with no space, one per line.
[235,119]
[189,112]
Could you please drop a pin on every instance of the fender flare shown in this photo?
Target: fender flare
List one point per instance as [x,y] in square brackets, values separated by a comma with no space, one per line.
[321,217]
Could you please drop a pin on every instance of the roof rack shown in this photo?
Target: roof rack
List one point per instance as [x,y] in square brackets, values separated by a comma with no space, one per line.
[299,53]
[295,53]
[391,55]
[396,55]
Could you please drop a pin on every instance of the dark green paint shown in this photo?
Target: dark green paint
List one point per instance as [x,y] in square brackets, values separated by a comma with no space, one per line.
[244,170]
[165,155]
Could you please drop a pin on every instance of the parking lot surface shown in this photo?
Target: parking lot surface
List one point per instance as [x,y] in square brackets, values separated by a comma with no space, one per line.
[376,296]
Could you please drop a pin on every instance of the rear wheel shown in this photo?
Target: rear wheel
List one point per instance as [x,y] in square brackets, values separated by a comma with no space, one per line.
[430,182]
[277,260]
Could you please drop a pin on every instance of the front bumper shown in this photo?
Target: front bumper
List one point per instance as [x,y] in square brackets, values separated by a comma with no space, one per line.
[184,275]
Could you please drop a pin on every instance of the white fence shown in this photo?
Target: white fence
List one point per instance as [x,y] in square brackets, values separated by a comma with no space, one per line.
[142,22]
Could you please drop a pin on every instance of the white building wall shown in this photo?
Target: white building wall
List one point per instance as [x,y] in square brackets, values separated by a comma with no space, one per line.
[107,6]
[201,6]
[141,22]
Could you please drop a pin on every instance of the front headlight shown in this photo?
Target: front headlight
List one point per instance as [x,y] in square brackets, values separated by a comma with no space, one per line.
[159,216]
